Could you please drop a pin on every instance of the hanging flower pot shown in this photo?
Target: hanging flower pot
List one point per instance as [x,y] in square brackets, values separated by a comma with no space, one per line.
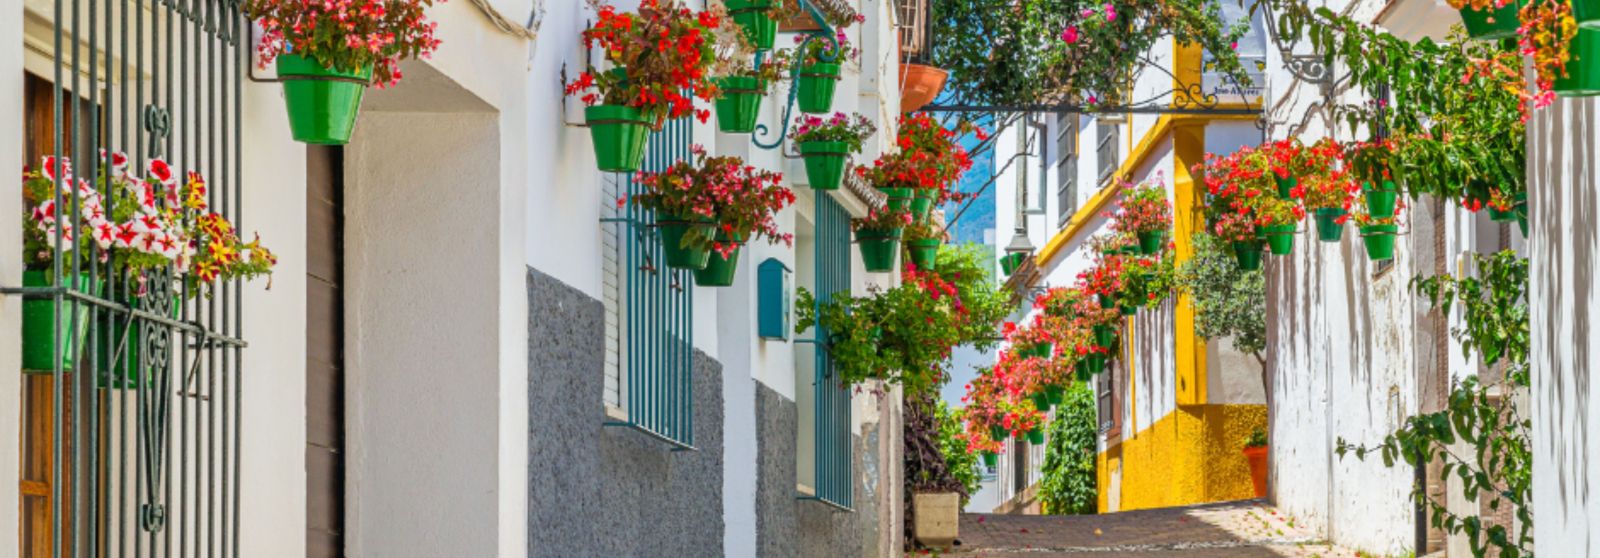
[119,362]
[1380,200]
[1519,207]
[755,17]
[922,201]
[1104,336]
[899,198]
[1285,185]
[991,459]
[322,102]
[816,85]
[1248,253]
[1041,401]
[1583,68]
[739,104]
[674,231]
[720,270]
[1379,241]
[1056,393]
[1036,436]
[1107,302]
[1151,242]
[1328,227]
[1280,238]
[878,248]
[1040,350]
[1010,262]
[619,134]
[1080,371]
[825,162]
[920,85]
[998,433]
[924,251]
[42,334]
[1492,23]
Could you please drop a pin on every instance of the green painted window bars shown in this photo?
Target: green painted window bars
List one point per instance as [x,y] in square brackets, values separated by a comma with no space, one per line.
[131,443]
[834,484]
[657,341]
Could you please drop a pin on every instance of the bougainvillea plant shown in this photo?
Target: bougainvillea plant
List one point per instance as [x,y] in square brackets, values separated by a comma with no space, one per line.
[742,199]
[1144,208]
[135,224]
[346,35]
[662,58]
[840,128]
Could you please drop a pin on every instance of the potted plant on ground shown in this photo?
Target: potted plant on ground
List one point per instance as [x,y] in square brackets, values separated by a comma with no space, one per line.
[708,207]
[1255,451]
[827,144]
[646,85]
[739,96]
[878,237]
[327,53]
[923,239]
[1146,215]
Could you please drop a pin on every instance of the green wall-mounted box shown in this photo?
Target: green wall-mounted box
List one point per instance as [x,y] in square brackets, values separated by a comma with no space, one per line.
[774,298]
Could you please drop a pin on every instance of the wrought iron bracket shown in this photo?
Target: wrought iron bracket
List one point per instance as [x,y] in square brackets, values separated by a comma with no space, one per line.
[829,54]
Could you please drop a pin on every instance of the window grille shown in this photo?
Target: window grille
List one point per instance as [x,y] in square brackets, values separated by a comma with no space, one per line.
[833,450]
[649,314]
[132,432]
[1066,168]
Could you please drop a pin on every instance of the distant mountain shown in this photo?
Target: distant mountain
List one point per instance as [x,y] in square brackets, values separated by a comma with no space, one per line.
[979,216]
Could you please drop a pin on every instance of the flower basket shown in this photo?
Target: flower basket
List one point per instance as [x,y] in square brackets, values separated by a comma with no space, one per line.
[899,198]
[1104,336]
[1036,436]
[991,459]
[322,102]
[679,255]
[1493,23]
[1583,69]
[1041,350]
[739,104]
[1380,200]
[1280,238]
[920,85]
[1248,253]
[1094,363]
[619,134]
[923,252]
[1057,394]
[1041,401]
[755,17]
[816,85]
[1010,262]
[124,371]
[1519,209]
[40,330]
[1328,227]
[1151,242]
[1107,302]
[1129,309]
[922,201]
[1080,371]
[1379,240]
[998,433]
[878,248]
[719,270]
[1285,186]
[825,162]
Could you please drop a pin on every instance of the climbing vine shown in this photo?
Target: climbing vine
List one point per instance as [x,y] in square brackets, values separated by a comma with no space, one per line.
[1497,464]
[1070,470]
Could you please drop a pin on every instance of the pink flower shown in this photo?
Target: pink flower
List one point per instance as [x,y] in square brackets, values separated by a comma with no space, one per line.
[1111,13]
[1069,35]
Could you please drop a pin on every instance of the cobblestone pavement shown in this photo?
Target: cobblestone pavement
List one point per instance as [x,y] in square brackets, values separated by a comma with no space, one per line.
[1242,529]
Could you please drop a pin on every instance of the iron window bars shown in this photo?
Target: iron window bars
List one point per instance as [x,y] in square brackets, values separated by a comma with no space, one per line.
[143,451]
[834,479]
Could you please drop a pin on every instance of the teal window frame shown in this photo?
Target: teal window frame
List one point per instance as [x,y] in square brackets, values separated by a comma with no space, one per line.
[834,476]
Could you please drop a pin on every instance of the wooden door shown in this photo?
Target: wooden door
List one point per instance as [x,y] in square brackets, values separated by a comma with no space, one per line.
[325,434]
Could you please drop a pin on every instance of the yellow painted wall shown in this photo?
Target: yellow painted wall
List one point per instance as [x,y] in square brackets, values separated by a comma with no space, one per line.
[1191,456]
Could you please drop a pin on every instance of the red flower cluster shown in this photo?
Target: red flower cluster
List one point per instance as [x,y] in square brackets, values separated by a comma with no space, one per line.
[930,156]
[742,199]
[346,35]
[662,57]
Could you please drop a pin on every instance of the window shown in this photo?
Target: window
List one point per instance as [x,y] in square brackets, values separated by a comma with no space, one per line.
[648,309]
[825,401]
[1109,154]
[1110,403]
[1066,167]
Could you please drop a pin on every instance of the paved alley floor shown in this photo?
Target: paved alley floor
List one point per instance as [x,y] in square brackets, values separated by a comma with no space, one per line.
[1243,529]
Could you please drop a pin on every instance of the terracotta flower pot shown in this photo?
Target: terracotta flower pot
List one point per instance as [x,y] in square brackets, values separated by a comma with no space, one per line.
[1257,456]
[919,85]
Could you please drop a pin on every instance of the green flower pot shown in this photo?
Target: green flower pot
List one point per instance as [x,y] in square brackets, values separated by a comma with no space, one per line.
[1094,363]
[1280,238]
[878,248]
[719,271]
[126,369]
[1036,436]
[1379,240]
[998,433]
[1010,262]
[816,85]
[756,20]
[1587,13]
[923,252]
[1492,24]
[825,162]
[1129,309]
[674,234]
[40,332]
[1328,227]
[1080,372]
[1583,69]
[1041,401]
[322,102]
[1107,302]
[1248,253]
[739,104]
[899,198]
[1042,350]
[1104,336]
[1519,208]
[1151,242]
[922,201]
[1380,201]
[1057,394]
[619,134]
[991,459]
[1285,186]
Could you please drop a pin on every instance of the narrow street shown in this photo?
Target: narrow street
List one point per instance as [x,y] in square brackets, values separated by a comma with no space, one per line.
[1240,529]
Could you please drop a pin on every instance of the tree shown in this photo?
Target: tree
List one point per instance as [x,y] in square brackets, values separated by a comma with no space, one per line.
[1070,471]
[1228,301]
